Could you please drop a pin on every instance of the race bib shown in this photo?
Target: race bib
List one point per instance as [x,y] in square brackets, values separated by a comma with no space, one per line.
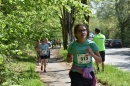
[43,52]
[83,58]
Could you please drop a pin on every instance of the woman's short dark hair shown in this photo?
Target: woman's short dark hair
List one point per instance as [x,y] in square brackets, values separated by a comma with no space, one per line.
[77,26]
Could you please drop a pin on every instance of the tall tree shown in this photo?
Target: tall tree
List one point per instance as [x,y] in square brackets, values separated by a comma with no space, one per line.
[67,22]
[86,14]
[106,15]
[123,15]
[64,22]
[67,18]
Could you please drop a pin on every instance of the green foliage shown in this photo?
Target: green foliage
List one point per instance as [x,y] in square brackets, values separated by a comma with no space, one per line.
[25,23]
[94,22]
[1,59]
[107,19]
[122,12]
[113,17]
[2,73]
[3,69]
[113,76]
[127,36]
[63,53]
[20,71]
[33,82]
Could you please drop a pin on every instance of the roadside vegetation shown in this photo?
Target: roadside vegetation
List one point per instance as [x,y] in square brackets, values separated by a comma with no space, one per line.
[20,71]
[112,76]
[23,22]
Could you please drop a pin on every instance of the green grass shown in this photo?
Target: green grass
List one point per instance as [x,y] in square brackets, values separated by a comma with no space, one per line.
[63,53]
[112,76]
[1,59]
[21,71]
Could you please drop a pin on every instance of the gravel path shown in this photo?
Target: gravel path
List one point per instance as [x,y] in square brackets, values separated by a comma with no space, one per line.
[57,71]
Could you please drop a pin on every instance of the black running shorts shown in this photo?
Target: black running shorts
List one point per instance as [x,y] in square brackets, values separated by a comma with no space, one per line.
[44,57]
[77,79]
[102,53]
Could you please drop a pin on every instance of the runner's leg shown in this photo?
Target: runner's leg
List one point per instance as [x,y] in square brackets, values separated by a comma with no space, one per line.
[39,59]
[103,65]
[45,61]
[42,61]
[97,67]
[103,59]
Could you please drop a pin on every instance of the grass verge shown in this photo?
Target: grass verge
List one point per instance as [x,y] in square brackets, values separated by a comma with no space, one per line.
[112,76]
[20,71]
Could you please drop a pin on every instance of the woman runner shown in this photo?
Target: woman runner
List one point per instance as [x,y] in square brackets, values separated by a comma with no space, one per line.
[80,53]
[44,52]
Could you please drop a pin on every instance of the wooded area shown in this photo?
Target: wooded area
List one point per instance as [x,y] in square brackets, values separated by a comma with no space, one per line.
[23,22]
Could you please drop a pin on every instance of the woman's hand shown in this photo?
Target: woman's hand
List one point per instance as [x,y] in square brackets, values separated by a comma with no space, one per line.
[69,58]
[89,51]
[95,55]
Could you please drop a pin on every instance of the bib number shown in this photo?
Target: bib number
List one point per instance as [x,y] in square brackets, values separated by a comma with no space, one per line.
[83,58]
[43,52]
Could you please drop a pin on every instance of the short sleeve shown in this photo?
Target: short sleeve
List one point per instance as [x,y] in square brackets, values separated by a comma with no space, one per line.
[94,47]
[70,47]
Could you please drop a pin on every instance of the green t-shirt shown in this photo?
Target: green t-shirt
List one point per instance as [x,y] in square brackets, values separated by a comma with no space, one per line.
[79,51]
[99,39]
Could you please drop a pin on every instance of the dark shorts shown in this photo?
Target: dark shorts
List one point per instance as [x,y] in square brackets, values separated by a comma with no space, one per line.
[77,79]
[49,55]
[102,53]
[44,57]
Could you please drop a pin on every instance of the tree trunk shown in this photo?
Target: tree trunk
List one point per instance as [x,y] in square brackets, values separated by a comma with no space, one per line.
[71,24]
[63,21]
[123,21]
[86,15]
[67,22]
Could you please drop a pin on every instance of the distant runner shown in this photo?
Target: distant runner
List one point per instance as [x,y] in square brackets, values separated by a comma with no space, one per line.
[99,39]
[44,52]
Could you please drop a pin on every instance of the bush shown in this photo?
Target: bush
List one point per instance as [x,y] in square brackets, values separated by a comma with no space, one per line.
[63,53]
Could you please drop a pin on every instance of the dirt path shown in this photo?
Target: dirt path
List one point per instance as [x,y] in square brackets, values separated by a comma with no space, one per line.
[57,71]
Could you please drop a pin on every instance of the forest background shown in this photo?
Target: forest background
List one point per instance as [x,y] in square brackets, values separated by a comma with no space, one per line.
[23,22]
